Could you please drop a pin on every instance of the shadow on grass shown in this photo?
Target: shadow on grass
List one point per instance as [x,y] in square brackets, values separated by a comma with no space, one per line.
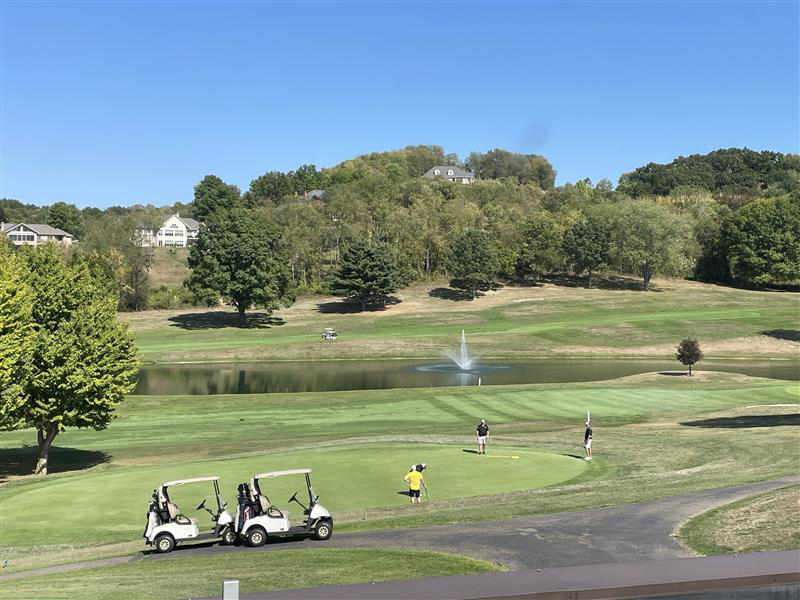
[791,335]
[452,294]
[747,421]
[353,306]
[22,461]
[674,373]
[610,282]
[468,451]
[222,318]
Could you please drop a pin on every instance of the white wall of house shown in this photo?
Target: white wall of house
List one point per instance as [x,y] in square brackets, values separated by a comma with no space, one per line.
[22,235]
[173,233]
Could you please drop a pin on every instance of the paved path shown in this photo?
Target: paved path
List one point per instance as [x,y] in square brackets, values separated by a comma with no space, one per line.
[630,532]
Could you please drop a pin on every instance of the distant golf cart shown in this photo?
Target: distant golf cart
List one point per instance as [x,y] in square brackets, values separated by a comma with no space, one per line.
[329,334]
[257,518]
[166,525]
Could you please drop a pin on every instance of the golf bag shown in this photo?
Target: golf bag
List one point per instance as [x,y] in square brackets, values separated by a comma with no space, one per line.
[246,508]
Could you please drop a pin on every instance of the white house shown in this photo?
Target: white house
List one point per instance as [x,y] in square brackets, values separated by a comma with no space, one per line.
[33,234]
[451,174]
[176,231]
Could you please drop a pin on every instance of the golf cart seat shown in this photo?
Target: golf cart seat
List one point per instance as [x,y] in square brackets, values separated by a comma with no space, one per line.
[267,508]
[175,514]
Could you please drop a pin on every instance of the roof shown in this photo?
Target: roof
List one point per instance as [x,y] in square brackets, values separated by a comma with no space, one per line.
[190,223]
[314,193]
[457,171]
[40,228]
[182,481]
[281,473]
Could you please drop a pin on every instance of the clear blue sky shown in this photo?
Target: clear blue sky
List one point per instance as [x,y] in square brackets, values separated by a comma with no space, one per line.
[123,103]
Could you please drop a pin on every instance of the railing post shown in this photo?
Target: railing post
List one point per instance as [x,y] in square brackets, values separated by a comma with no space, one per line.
[230,589]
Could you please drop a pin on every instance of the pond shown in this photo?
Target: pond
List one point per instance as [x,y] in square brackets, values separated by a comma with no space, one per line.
[326,376]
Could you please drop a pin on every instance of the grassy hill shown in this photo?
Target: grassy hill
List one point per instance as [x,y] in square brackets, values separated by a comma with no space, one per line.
[169,267]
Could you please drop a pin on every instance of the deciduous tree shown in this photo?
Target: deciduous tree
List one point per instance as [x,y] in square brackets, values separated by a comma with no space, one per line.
[587,245]
[83,359]
[239,258]
[212,195]
[689,353]
[541,246]
[67,217]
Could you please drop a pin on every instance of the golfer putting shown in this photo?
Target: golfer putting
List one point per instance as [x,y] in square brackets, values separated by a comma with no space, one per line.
[415,482]
[483,433]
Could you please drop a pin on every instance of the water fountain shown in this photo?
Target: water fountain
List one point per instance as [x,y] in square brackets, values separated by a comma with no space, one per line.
[463,360]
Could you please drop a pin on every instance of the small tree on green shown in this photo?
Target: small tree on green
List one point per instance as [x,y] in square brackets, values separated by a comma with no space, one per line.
[541,250]
[368,273]
[587,245]
[239,257]
[689,353]
[83,359]
[473,263]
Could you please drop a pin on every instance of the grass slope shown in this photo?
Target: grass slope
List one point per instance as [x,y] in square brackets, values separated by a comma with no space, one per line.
[764,523]
[256,572]
[539,321]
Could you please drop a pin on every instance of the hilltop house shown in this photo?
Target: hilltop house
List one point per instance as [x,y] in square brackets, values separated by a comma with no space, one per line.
[33,234]
[451,174]
[176,231]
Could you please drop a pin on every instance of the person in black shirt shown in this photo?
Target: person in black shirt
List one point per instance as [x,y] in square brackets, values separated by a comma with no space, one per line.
[587,441]
[483,433]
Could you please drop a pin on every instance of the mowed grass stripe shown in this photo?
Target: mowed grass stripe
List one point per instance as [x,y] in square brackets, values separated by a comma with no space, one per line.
[492,407]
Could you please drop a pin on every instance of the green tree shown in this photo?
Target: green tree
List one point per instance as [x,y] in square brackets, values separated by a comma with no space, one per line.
[473,264]
[212,194]
[587,245]
[67,217]
[652,239]
[16,335]
[502,163]
[763,240]
[541,250]
[689,353]
[368,273]
[83,360]
[240,258]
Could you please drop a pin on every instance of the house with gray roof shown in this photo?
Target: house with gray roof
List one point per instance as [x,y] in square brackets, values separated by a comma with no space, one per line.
[175,232]
[33,234]
[451,173]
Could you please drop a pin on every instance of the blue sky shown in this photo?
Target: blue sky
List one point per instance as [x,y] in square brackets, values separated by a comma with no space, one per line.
[121,103]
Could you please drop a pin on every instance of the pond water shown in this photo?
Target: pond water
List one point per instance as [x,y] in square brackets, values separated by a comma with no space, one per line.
[325,376]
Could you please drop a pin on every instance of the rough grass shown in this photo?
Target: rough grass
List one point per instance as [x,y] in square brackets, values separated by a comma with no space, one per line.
[169,267]
[764,523]
[510,322]
[257,572]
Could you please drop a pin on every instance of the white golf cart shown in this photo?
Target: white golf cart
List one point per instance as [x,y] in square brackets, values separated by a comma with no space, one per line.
[257,518]
[166,525]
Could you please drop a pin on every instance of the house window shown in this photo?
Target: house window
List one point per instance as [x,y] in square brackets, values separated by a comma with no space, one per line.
[436,172]
[449,171]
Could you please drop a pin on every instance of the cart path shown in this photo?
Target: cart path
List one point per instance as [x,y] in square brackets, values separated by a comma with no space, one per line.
[630,532]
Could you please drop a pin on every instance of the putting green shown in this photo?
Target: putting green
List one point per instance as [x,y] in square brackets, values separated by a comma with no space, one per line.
[111,505]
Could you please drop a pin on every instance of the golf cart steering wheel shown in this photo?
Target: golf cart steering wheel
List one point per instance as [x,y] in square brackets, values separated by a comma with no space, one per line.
[293,498]
[202,505]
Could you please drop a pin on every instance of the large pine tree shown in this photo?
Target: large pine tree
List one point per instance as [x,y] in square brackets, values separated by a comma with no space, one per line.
[368,273]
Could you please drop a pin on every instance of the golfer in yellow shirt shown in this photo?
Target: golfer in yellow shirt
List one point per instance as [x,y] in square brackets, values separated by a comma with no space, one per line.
[415,483]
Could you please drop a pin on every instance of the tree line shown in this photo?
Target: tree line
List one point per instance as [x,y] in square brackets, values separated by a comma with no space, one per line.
[729,216]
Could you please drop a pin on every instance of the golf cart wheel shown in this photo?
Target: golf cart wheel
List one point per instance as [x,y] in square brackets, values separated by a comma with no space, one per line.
[323,531]
[228,537]
[164,543]
[256,537]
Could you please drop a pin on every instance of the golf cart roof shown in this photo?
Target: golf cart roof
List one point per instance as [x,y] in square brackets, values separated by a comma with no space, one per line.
[281,473]
[183,481]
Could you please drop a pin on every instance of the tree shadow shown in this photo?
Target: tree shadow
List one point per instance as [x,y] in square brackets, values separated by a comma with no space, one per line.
[791,335]
[674,373]
[747,421]
[609,282]
[219,319]
[22,461]
[349,306]
[452,294]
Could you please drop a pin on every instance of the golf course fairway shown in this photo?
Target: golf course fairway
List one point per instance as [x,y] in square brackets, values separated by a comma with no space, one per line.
[347,479]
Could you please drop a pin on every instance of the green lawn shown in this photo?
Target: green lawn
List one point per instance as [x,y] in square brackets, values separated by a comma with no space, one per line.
[537,321]
[256,572]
